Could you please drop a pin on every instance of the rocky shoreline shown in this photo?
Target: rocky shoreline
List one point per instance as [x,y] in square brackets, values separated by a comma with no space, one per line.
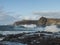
[33,38]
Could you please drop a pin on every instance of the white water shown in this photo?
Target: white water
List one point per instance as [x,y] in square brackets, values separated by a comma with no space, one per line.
[51,28]
[12,43]
[29,26]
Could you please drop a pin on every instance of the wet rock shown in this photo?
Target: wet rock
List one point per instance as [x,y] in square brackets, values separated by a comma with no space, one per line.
[36,38]
[2,35]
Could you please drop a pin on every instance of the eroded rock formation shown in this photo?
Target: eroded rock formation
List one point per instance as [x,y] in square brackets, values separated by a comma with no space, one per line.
[26,22]
[41,22]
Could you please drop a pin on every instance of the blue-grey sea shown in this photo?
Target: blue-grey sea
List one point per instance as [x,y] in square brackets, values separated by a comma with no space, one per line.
[20,29]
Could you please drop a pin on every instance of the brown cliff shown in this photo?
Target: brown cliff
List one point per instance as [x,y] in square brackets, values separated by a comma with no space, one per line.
[41,22]
[26,22]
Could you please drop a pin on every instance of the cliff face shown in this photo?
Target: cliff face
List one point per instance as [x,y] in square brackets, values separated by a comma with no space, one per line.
[48,21]
[53,21]
[41,22]
[26,22]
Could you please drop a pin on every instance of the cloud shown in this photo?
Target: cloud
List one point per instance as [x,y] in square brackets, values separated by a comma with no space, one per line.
[27,17]
[6,19]
[9,18]
[49,14]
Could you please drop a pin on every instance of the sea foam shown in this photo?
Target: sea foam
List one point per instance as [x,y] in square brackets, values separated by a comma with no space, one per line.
[52,28]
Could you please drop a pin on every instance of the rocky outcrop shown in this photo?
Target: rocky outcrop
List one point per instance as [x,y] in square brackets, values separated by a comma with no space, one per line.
[41,22]
[52,21]
[35,38]
[25,22]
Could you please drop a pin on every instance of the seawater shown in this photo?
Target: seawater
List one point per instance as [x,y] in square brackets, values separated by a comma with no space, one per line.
[11,43]
[20,31]
[51,28]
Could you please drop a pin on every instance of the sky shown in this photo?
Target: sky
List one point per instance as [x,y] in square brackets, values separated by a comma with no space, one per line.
[28,9]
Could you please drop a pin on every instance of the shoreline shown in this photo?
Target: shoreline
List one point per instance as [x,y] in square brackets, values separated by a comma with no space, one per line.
[35,38]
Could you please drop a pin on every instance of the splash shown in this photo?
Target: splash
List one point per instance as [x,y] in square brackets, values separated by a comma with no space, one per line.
[30,26]
[52,28]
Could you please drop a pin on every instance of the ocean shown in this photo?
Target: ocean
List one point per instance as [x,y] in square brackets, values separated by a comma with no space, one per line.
[5,30]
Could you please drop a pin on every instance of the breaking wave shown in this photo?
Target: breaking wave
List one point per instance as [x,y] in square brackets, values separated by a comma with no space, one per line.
[52,28]
[31,28]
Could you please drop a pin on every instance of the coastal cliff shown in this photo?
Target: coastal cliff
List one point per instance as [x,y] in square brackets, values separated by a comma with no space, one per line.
[26,22]
[43,21]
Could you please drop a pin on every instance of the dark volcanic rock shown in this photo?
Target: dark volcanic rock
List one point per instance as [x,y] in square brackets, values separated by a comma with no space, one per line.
[2,35]
[2,43]
[36,38]
[12,37]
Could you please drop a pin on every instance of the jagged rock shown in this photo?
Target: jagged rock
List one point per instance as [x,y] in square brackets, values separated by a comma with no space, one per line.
[44,39]
[42,21]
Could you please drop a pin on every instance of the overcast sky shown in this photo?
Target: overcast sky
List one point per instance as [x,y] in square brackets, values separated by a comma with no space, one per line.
[28,9]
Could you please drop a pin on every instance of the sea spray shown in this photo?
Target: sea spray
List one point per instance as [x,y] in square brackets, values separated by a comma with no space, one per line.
[12,32]
[52,28]
[29,26]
